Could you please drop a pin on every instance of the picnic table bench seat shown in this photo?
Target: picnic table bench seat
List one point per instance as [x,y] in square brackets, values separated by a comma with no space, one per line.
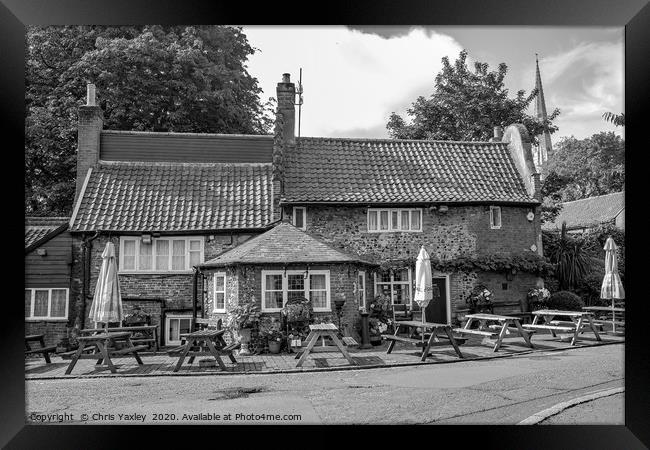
[349,341]
[565,328]
[45,351]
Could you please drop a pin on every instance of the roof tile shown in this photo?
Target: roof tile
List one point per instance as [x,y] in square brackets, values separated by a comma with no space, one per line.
[401,171]
[131,196]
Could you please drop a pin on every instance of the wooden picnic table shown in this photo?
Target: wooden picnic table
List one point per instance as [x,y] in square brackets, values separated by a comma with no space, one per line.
[507,327]
[203,343]
[575,326]
[412,325]
[613,320]
[45,351]
[149,332]
[321,331]
[103,346]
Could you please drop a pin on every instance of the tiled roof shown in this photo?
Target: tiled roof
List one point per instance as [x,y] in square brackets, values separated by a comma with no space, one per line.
[401,171]
[283,244]
[36,228]
[589,211]
[136,196]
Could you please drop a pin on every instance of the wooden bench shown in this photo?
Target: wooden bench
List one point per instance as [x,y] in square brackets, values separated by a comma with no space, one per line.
[550,327]
[43,350]
[349,341]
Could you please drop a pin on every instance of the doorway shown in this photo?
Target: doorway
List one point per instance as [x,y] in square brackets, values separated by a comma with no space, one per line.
[438,309]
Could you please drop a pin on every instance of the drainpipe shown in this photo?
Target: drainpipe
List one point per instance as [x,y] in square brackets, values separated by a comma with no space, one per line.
[86,256]
[195,280]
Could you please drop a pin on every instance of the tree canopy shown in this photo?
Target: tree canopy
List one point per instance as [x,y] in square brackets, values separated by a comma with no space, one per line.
[148,78]
[587,167]
[466,105]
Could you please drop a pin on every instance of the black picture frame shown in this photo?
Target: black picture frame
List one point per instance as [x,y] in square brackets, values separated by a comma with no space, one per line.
[634,15]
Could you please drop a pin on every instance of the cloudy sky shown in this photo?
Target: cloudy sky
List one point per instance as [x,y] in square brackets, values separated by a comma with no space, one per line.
[354,77]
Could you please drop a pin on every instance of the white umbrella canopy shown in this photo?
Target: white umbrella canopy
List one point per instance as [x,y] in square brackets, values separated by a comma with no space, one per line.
[612,288]
[107,301]
[423,283]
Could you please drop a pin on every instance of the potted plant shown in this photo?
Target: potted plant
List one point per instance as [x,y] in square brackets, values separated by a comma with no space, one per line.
[274,339]
[244,317]
[537,298]
[379,318]
[480,300]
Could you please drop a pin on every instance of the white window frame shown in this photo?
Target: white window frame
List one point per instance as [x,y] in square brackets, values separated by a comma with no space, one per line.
[285,286]
[169,317]
[492,209]
[214,292]
[304,217]
[361,287]
[48,318]
[392,282]
[170,239]
[391,228]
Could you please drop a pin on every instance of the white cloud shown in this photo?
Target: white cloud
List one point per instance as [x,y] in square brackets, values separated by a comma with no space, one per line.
[352,80]
[584,82]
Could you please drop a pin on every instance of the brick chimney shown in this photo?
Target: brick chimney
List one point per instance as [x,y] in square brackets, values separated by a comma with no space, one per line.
[498,134]
[284,137]
[91,122]
[286,91]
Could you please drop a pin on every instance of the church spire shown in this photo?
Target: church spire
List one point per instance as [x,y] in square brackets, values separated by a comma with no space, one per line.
[544,149]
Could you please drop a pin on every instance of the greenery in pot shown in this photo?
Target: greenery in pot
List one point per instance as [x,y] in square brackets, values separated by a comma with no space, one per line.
[244,316]
[480,300]
[538,298]
[380,316]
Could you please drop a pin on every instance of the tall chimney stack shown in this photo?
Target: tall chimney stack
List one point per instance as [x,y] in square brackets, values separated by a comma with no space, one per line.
[286,92]
[91,122]
[498,134]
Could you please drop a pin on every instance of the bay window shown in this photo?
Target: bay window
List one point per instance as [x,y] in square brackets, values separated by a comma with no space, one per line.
[173,254]
[278,286]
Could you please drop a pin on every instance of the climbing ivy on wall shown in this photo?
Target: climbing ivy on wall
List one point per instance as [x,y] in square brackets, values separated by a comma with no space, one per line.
[529,262]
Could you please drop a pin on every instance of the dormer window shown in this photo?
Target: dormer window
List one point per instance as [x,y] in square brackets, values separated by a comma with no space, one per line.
[495,217]
[397,219]
[300,217]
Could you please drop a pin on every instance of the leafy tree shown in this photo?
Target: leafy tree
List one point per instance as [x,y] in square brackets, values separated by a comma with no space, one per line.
[466,105]
[148,78]
[581,168]
[616,119]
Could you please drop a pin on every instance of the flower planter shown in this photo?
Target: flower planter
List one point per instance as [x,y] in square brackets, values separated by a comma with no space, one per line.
[274,346]
[244,339]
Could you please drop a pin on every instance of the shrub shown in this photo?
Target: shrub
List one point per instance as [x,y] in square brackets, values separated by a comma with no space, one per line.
[565,300]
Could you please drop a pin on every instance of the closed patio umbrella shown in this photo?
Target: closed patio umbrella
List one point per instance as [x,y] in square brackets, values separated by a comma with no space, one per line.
[612,288]
[423,283]
[107,301]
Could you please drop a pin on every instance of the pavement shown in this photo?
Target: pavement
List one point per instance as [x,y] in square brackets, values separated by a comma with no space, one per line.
[504,390]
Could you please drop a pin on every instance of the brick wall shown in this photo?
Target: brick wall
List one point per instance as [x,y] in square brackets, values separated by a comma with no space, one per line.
[173,291]
[461,231]
[244,284]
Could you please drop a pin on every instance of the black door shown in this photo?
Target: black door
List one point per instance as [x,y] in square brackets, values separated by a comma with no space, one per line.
[436,310]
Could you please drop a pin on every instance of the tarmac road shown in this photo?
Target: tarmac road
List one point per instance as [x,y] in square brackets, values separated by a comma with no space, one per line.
[500,391]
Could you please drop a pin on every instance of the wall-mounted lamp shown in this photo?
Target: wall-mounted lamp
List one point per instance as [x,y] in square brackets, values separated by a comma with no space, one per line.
[443,208]
[146,239]
[530,216]
[41,252]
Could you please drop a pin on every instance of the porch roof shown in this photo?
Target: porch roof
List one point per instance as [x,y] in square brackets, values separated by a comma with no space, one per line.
[283,244]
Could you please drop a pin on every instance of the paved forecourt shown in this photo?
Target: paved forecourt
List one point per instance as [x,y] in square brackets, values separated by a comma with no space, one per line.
[160,364]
